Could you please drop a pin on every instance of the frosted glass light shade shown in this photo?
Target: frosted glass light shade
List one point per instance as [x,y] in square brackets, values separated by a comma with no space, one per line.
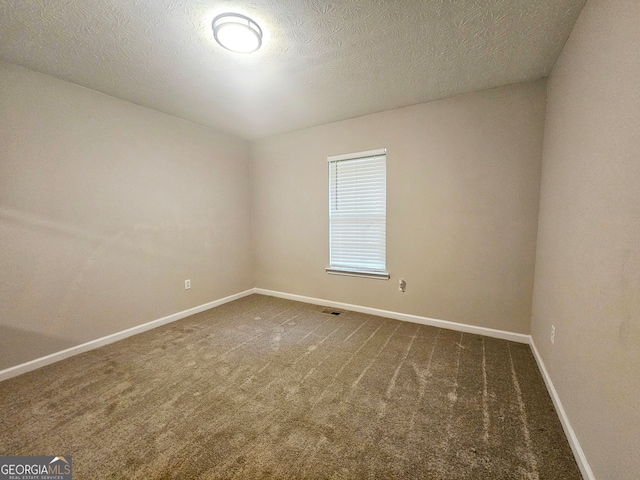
[237,33]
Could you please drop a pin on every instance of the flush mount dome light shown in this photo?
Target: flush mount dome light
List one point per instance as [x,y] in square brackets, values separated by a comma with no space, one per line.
[237,33]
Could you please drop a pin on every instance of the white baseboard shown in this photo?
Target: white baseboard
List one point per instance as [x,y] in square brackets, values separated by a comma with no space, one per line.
[460,327]
[580,457]
[578,453]
[85,347]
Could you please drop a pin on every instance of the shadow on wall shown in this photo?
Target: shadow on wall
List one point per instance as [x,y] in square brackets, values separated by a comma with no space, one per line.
[145,237]
[17,346]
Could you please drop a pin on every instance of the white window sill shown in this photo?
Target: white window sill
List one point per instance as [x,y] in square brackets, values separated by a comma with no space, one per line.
[355,273]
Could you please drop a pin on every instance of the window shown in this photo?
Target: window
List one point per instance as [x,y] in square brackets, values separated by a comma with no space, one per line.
[358,214]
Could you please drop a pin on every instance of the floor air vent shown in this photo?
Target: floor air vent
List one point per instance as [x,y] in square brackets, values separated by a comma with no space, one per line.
[332,311]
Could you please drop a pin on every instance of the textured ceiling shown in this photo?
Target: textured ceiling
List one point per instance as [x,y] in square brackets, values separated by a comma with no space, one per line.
[320,62]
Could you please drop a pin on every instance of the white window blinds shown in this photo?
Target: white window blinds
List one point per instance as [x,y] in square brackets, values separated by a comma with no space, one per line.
[357,214]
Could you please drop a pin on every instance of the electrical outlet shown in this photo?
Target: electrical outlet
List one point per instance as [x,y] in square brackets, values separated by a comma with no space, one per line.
[187,284]
[553,334]
[402,285]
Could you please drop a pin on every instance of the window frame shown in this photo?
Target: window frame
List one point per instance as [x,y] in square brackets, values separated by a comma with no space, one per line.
[357,271]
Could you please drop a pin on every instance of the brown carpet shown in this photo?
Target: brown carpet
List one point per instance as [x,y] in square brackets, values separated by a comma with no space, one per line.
[269,388]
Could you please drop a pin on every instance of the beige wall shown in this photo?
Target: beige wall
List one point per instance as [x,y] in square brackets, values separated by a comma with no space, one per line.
[105,209]
[588,260]
[463,178]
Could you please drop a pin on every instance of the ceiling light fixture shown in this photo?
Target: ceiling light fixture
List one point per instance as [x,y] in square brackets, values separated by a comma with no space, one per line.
[237,33]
